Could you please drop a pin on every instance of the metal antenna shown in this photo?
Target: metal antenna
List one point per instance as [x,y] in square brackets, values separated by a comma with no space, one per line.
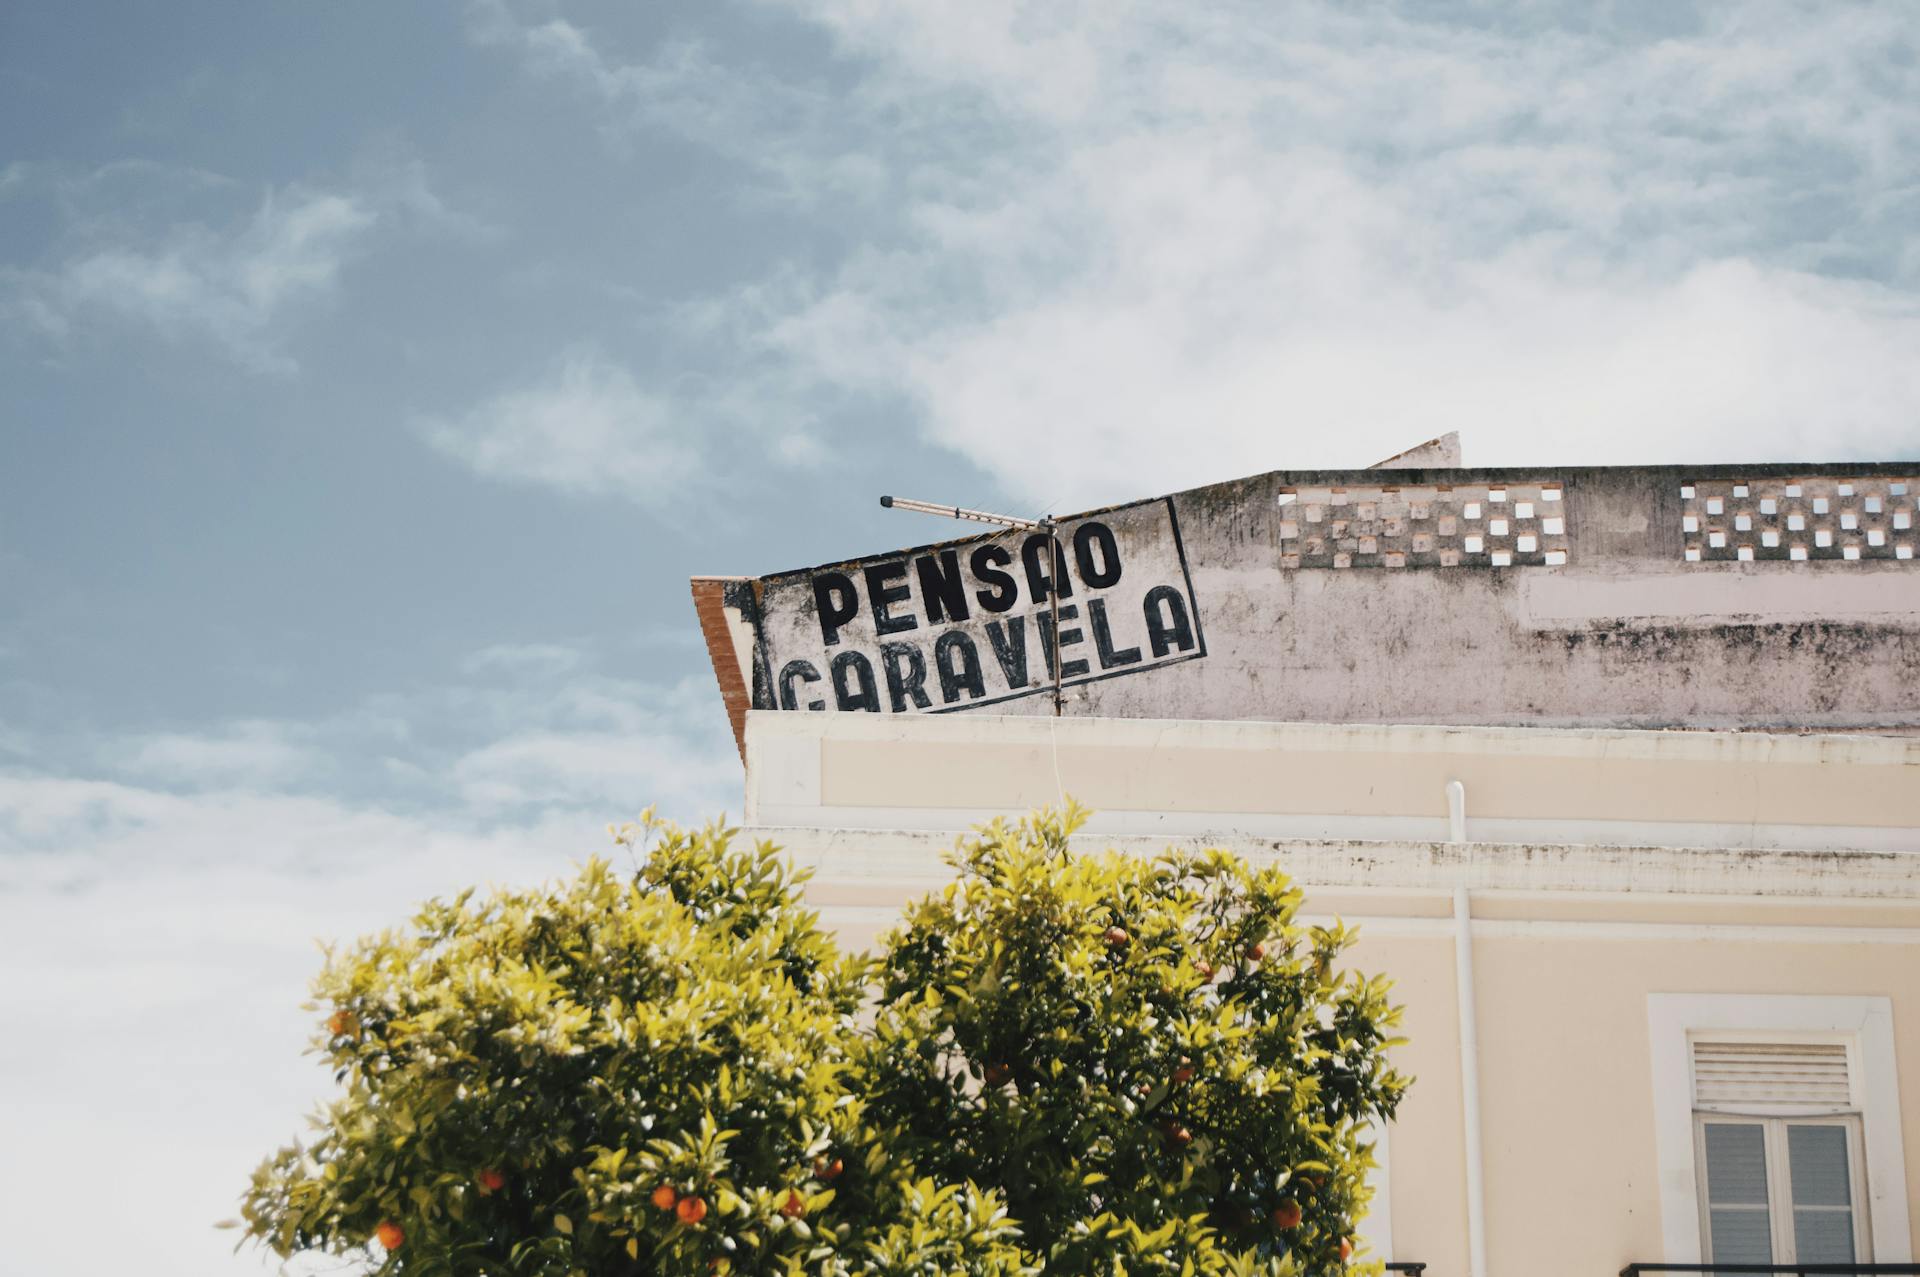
[1046,524]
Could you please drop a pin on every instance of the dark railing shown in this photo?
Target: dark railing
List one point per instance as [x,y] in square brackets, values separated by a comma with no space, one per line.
[1793,1270]
[1407,1267]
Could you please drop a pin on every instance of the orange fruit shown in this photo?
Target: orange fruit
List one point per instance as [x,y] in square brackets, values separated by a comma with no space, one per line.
[1286,1214]
[1117,936]
[997,1074]
[691,1210]
[391,1235]
[1346,1249]
[794,1206]
[824,1168]
[664,1197]
[491,1180]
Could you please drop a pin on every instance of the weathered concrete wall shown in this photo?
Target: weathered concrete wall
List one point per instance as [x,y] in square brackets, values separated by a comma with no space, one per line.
[1776,597]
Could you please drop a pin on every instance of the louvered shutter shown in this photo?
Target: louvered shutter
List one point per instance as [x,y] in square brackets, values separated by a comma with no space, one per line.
[1807,1076]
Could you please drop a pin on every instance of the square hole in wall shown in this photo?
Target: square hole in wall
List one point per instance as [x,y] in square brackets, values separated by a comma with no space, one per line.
[1523,509]
[1744,554]
[1686,492]
[1739,489]
[1285,498]
[1693,555]
[1525,544]
[1876,537]
[1850,552]
[1742,522]
[1717,540]
[1769,506]
[1501,558]
[1796,523]
[1689,523]
[1472,545]
[1497,527]
[1819,505]
[1549,494]
[1822,536]
[1903,552]
[1797,552]
[1902,518]
[1769,538]
[1872,505]
[1556,557]
[1793,489]
[1715,505]
[1471,510]
[1553,526]
[1897,489]
[1849,520]
[1846,489]
[1496,495]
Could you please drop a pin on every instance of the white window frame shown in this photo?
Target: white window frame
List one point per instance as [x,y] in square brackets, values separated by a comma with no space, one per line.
[1864,1023]
[1780,1205]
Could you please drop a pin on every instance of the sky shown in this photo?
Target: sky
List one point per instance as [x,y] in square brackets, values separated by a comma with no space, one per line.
[373,377]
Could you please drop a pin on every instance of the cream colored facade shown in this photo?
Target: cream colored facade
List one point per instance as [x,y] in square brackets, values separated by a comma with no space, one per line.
[1606,898]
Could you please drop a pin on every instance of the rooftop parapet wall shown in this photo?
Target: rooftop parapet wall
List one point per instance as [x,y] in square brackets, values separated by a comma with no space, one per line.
[1772,597]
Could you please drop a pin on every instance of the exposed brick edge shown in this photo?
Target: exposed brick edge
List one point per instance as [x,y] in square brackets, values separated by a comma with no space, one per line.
[709,601]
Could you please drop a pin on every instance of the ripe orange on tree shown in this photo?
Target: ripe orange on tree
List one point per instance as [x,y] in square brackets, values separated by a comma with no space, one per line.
[691,1210]
[391,1235]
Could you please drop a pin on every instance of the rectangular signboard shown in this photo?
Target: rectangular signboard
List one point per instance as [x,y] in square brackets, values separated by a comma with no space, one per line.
[970,623]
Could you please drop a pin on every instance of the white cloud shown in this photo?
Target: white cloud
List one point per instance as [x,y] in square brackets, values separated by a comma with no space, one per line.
[230,285]
[250,753]
[1138,246]
[166,250]
[159,936]
[587,427]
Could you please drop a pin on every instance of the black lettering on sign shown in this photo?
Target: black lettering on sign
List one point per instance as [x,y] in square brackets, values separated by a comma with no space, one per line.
[1039,579]
[957,661]
[940,585]
[1167,624]
[836,602]
[1110,657]
[906,671]
[882,596]
[1089,538]
[806,673]
[1010,649]
[986,563]
[1069,666]
[861,697]
[969,624]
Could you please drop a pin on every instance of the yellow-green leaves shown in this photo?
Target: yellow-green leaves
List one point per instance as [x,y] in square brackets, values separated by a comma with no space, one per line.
[1079,1064]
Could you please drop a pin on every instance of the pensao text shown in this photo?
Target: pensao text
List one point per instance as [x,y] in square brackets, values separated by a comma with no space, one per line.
[953,627]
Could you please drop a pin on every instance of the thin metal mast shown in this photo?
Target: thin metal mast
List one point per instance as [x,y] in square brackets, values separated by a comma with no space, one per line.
[1048,524]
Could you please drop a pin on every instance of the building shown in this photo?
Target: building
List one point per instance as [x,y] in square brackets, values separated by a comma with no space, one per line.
[1617,770]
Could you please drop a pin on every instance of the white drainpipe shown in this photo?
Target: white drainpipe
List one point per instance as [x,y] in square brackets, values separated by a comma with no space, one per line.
[1469,1044]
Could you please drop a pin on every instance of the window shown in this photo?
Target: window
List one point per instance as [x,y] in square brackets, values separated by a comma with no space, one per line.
[1777,1139]
[1777,1127]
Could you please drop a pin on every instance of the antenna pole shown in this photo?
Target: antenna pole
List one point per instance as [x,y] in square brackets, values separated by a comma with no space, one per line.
[1053,600]
[1049,525]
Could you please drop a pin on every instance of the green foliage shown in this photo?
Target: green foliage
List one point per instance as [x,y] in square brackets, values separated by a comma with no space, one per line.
[1148,1058]
[675,1071]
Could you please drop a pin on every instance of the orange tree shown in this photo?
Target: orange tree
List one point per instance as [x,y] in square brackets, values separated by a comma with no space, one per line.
[1076,1065]
[612,1075]
[1154,1064]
